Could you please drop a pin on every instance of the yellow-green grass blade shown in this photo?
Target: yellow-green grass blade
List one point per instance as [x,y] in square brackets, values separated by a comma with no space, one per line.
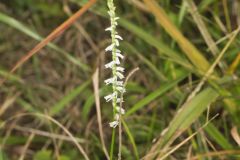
[155,94]
[24,29]
[152,41]
[187,114]
[217,136]
[194,55]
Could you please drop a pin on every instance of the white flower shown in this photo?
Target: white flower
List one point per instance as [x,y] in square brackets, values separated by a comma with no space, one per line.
[109,80]
[122,110]
[110,97]
[110,47]
[118,37]
[117,61]
[120,75]
[117,116]
[109,28]
[119,83]
[119,100]
[114,124]
[118,51]
[121,89]
[110,64]
[121,69]
[119,55]
[116,42]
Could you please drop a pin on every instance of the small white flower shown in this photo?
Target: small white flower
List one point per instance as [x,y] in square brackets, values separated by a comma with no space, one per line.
[119,100]
[119,83]
[110,64]
[121,69]
[120,75]
[122,110]
[116,18]
[118,37]
[118,51]
[117,61]
[117,116]
[109,28]
[119,55]
[110,97]
[121,89]
[114,124]
[116,42]
[110,47]
[109,81]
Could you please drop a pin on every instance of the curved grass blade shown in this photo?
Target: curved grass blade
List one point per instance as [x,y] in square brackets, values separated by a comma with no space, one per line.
[189,112]
[149,98]
[194,55]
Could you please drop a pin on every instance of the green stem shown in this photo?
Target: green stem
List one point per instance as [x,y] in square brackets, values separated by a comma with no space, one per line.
[112,143]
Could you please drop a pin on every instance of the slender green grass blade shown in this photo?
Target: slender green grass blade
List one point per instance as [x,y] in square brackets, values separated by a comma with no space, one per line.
[155,94]
[12,77]
[189,113]
[131,139]
[217,136]
[59,106]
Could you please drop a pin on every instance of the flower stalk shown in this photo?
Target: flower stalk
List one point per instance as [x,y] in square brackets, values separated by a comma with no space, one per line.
[117,71]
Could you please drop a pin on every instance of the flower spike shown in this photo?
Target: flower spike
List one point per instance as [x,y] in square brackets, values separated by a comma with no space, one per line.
[117,71]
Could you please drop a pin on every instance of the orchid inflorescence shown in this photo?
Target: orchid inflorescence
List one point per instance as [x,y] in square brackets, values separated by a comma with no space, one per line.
[117,71]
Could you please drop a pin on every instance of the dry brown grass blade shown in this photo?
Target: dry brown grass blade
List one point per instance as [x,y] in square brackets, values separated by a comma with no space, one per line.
[95,79]
[46,117]
[55,33]
[26,146]
[218,153]
[82,30]
[185,140]
[211,69]
[45,134]
[188,48]
[235,135]
[7,103]
[203,29]
[172,150]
